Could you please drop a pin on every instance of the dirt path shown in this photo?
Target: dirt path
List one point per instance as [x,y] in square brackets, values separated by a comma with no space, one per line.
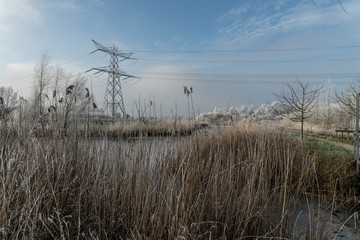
[348,147]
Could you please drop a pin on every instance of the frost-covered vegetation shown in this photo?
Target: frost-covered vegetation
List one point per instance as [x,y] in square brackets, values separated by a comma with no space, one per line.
[327,114]
[225,115]
[327,117]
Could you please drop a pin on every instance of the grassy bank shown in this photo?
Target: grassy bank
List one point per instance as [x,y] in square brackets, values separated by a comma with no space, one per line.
[229,183]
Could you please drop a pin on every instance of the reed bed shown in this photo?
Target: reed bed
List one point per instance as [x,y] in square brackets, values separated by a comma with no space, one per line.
[228,183]
[120,130]
[152,128]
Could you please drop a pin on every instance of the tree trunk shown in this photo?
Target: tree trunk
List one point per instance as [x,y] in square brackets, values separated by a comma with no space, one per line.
[302,115]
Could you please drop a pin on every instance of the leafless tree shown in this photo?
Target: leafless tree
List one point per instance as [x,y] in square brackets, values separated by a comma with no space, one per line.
[324,109]
[347,99]
[298,99]
[8,96]
[42,78]
[8,100]
[75,101]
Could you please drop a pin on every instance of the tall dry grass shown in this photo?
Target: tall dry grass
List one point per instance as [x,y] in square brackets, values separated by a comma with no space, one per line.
[118,130]
[228,183]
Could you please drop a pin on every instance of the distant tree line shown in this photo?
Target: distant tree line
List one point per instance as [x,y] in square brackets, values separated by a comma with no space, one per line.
[300,102]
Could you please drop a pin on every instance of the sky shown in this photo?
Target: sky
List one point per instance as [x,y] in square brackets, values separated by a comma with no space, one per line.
[233,53]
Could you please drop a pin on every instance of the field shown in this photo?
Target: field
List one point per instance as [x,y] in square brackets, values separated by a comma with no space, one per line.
[238,182]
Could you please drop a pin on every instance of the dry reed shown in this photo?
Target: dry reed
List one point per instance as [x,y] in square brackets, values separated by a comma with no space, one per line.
[228,183]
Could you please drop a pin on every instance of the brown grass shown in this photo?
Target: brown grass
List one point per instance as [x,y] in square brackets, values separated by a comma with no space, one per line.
[228,183]
[122,130]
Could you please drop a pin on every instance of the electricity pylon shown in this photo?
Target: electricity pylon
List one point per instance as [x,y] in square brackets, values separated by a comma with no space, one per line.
[113,94]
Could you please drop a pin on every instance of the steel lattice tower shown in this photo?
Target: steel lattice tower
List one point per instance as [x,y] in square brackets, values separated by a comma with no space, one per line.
[113,98]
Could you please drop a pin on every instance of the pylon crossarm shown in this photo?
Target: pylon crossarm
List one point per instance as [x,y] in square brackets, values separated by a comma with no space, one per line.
[99,46]
[125,76]
[122,59]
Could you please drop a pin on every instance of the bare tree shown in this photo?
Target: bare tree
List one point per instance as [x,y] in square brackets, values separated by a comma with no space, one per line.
[325,108]
[8,100]
[42,78]
[9,97]
[298,99]
[347,99]
[75,101]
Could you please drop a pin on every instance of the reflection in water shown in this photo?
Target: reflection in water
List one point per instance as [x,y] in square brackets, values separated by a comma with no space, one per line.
[129,151]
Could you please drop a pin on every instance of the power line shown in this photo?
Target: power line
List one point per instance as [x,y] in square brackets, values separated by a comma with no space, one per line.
[74,59]
[249,50]
[233,60]
[245,78]
[229,60]
[252,60]
[232,81]
[250,75]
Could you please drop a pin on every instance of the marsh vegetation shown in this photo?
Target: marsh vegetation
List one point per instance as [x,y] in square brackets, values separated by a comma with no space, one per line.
[238,182]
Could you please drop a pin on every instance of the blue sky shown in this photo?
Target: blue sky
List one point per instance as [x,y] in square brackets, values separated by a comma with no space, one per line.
[232,52]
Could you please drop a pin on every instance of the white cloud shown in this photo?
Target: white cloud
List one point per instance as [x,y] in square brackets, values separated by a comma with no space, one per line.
[17,13]
[164,83]
[71,6]
[17,75]
[75,5]
[269,19]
